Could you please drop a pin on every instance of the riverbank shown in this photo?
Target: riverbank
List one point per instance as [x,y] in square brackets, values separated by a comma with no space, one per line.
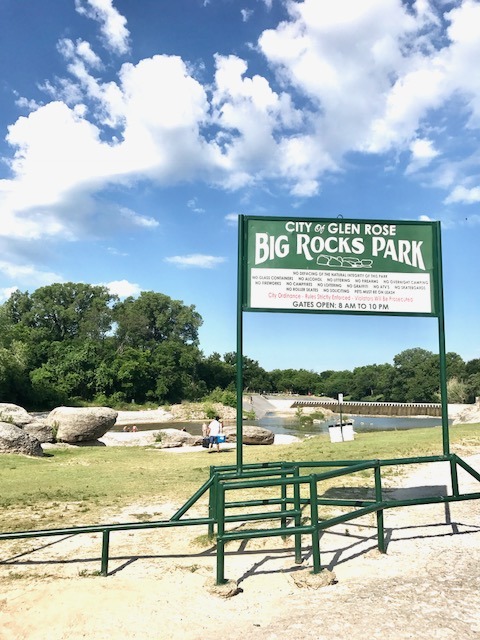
[281,407]
[146,438]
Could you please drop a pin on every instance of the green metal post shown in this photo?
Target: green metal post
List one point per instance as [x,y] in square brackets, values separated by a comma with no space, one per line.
[220,508]
[314,522]
[442,349]
[211,502]
[239,379]
[454,476]
[105,546]
[283,506]
[298,518]
[378,498]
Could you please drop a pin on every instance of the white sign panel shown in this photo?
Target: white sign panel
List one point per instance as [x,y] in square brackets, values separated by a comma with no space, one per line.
[354,291]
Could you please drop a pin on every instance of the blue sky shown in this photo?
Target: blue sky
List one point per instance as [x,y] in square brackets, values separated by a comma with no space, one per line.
[132,134]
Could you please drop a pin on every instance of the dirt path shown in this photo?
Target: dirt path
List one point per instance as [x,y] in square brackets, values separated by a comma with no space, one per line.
[427,585]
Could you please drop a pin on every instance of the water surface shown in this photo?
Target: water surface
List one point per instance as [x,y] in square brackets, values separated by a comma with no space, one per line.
[292,426]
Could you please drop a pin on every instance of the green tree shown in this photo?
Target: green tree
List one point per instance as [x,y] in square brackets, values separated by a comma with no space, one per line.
[416,377]
[153,318]
[457,391]
[372,382]
[216,373]
[255,378]
[63,311]
[175,368]
[338,382]
[14,378]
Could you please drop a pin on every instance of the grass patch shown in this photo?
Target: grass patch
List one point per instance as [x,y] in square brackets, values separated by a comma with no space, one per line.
[77,486]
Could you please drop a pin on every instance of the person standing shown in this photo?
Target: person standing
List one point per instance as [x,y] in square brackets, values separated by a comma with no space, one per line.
[214,430]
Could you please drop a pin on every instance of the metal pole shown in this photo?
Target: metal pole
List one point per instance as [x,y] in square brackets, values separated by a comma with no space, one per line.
[220,533]
[317,567]
[283,506]
[378,498]
[454,476]
[239,379]
[105,545]
[442,349]
[298,518]
[211,502]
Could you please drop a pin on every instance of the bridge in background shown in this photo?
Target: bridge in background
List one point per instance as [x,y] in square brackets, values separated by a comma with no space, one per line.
[375,408]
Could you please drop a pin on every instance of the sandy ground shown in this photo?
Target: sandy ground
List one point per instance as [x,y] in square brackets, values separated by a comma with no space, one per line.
[426,586]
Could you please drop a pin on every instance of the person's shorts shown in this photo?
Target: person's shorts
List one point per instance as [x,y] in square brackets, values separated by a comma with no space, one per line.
[213,439]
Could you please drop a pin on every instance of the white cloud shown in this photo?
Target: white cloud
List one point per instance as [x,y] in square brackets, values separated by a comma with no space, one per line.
[232,219]
[246,14]
[112,23]
[138,220]
[197,260]
[423,152]
[123,288]
[350,76]
[6,292]
[193,205]
[463,195]
[80,49]
[28,274]
[373,71]
[117,252]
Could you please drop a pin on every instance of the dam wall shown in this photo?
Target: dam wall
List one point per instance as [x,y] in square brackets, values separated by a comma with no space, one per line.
[404,409]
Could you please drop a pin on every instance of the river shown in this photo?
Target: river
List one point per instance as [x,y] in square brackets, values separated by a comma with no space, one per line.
[292,426]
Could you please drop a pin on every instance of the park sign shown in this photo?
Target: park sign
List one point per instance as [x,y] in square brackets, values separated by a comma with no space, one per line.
[322,265]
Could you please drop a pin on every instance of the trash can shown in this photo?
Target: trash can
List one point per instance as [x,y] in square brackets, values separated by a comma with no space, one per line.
[335,433]
[347,432]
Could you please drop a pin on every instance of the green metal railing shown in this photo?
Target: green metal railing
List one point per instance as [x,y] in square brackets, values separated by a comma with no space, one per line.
[295,513]
[286,475]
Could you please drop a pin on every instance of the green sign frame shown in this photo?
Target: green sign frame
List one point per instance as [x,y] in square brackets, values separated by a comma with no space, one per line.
[342,266]
[334,265]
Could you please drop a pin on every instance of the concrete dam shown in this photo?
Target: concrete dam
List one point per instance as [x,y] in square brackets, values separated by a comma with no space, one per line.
[404,409]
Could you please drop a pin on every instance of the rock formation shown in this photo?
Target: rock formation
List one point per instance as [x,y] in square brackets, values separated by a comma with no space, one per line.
[13,439]
[84,424]
[251,435]
[169,438]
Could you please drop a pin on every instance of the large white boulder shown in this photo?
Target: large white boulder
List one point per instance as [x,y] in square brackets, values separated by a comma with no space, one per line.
[169,438]
[81,424]
[14,414]
[13,439]
[251,434]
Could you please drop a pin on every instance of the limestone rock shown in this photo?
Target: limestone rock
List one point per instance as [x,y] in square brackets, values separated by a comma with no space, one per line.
[84,424]
[13,439]
[170,438]
[469,415]
[228,589]
[40,430]
[251,435]
[14,414]
[306,579]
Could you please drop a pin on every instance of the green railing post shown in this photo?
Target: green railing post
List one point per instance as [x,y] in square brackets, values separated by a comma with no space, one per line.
[441,344]
[454,476]
[283,506]
[378,498]
[220,517]
[239,358]
[298,518]
[314,522]
[105,546]
[211,502]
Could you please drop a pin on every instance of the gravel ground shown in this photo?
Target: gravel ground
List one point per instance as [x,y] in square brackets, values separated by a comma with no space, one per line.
[426,586]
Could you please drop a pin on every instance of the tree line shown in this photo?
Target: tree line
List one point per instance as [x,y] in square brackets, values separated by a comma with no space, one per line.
[75,342]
